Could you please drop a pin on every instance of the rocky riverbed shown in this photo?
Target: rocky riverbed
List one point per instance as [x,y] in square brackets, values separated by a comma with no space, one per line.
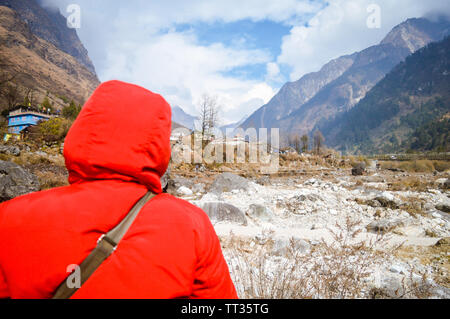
[407,229]
[309,231]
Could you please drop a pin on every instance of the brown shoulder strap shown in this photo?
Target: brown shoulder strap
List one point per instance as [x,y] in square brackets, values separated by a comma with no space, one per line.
[106,245]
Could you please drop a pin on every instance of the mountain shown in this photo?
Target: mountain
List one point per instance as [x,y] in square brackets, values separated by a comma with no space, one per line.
[48,24]
[183,118]
[43,54]
[408,110]
[343,82]
[294,94]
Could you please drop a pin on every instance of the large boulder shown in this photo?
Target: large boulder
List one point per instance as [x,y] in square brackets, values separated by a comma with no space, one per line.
[359,169]
[173,183]
[184,191]
[220,211]
[228,182]
[16,181]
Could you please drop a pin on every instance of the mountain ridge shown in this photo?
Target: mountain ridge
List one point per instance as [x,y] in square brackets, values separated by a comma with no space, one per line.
[340,93]
[41,66]
[49,24]
[408,110]
[183,118]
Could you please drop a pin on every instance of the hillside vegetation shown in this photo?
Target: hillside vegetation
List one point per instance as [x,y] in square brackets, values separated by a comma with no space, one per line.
[408,110]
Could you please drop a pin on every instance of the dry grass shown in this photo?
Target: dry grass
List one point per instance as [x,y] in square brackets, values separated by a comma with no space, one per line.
[418,166]
[30,159]
[436,256]
[413,206]
[50,180]
[411,183]
[330,270]
[354,160]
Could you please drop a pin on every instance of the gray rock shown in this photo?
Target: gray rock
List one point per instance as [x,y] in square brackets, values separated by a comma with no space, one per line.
[16,181]
[264,180]
[220,211]
[383,225]
[175,182]
[183,190]
[443,183]
[399,269]
[388,201]
[443,208]
[259,213]
[373,203]
[10,150]
[443,242]
[165,179]
[198,188]
[359,169]
[227,182]
[391,287]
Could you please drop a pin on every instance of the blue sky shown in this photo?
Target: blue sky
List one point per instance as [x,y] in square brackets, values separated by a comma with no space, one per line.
[263,35]
[241,51]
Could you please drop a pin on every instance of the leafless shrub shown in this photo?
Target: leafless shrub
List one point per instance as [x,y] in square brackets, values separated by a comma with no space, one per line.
[413,285]
[336,269]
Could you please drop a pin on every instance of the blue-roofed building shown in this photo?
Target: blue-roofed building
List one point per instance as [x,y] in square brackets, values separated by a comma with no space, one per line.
[21,118]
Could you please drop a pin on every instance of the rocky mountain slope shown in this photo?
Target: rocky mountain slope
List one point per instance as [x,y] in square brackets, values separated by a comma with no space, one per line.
[49,25]
[33,48]
[342,83]
[182,118]
[294,94]
[408,109]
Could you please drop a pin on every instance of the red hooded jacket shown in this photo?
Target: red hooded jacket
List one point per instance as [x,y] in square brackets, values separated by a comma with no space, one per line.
[117,150]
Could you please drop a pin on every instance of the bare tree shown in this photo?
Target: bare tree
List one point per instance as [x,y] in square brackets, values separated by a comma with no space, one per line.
[296,143]
[318,141]
[305,141]
[209,114]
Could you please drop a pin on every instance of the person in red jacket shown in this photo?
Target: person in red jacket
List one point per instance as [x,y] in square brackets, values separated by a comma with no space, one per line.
[116,150]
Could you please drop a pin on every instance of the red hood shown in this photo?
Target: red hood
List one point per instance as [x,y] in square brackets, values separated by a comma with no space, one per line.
[122,133]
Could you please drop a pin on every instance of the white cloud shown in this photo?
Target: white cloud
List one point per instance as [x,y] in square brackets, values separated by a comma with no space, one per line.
[175,65]
[273,73]
[135,41]
[341,28]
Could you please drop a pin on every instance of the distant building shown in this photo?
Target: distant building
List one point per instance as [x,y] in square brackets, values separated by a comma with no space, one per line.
[287,150]
[22,118]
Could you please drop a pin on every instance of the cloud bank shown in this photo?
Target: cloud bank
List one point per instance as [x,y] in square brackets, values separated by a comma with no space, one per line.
[139,41]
